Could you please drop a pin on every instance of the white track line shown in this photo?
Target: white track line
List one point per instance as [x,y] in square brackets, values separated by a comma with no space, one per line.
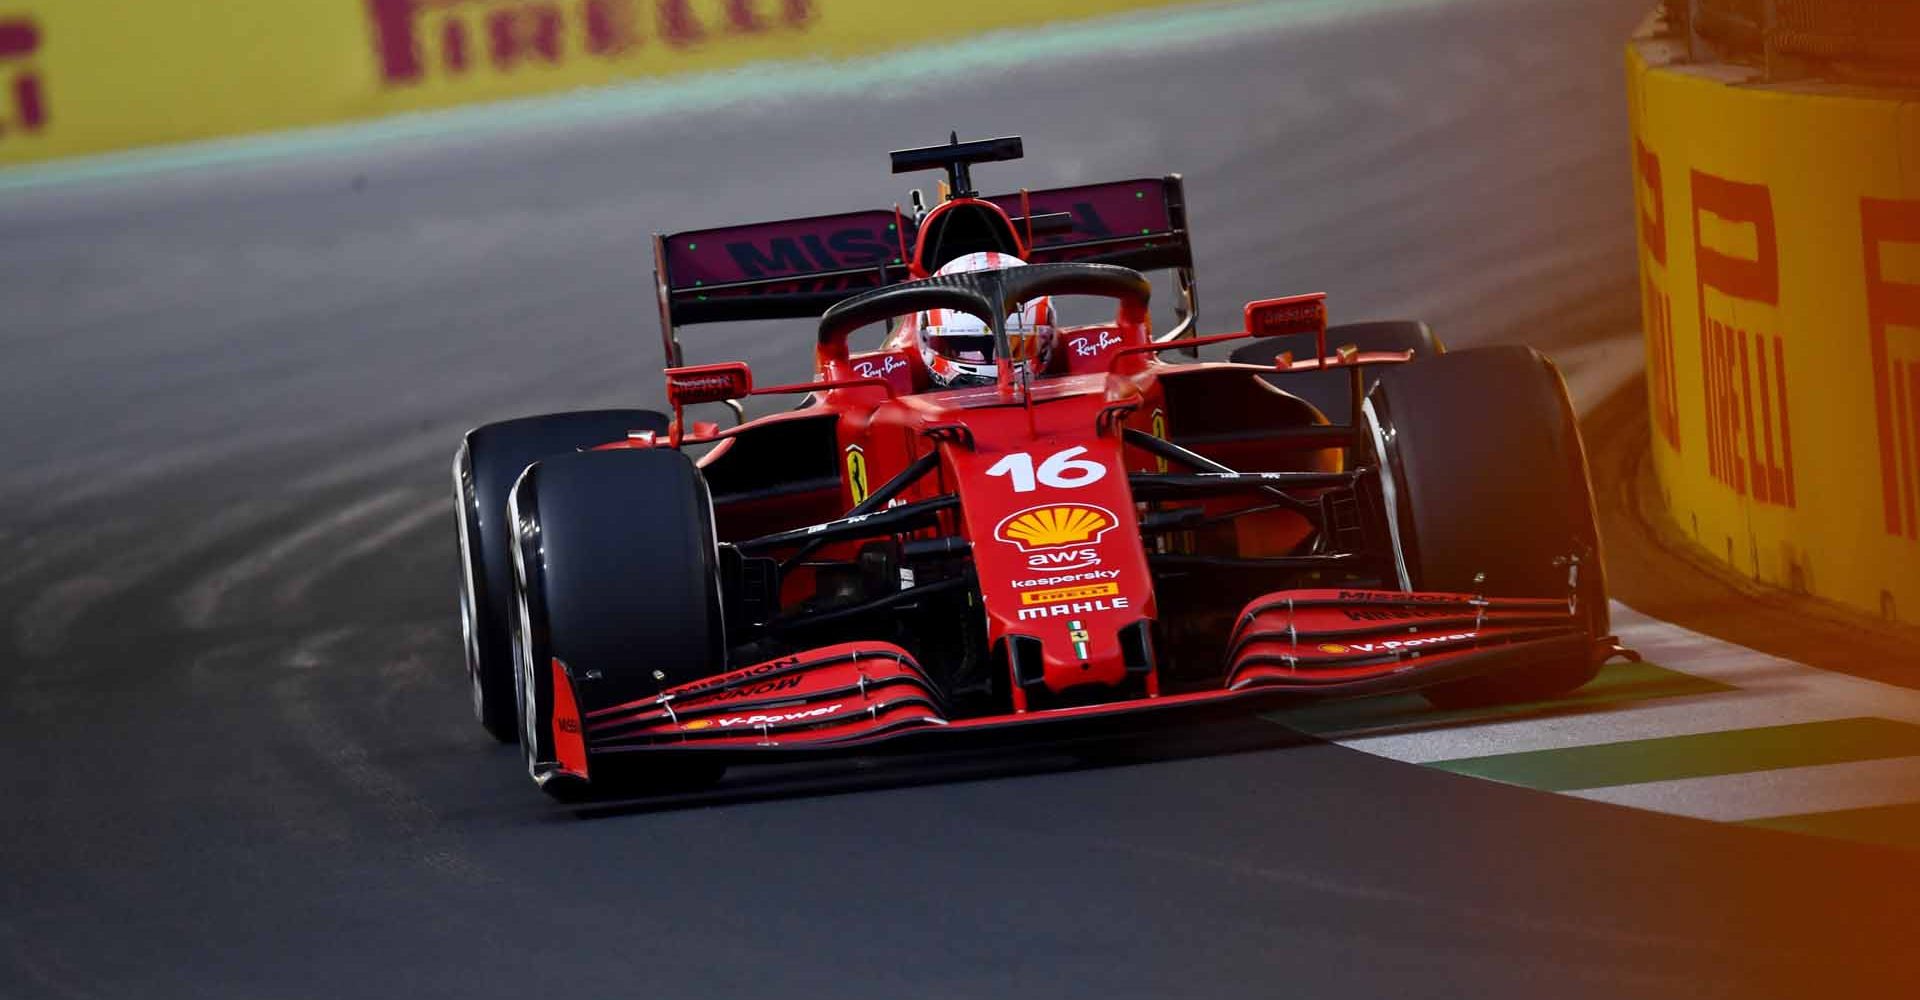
[1766,691]
[1787,791]
[1752,671]
[1769,691]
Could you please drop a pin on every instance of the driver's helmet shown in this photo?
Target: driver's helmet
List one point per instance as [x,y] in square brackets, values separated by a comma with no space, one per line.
[958,347]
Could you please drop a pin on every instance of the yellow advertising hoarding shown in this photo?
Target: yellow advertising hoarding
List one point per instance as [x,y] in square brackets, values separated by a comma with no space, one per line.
[88,76]
[1780,276]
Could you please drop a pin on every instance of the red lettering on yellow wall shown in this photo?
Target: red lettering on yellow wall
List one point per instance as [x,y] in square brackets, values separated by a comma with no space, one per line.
[612,28]
[23,106]
[1656,304]
[1749,430]
[1893,305]
[524,32]
[1653,209]
[678,25]
[417,39]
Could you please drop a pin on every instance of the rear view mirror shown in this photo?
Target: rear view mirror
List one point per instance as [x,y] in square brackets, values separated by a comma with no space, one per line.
[1288,314]
[709,383]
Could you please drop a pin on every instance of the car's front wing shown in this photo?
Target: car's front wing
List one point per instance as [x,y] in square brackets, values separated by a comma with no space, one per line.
[1289,647]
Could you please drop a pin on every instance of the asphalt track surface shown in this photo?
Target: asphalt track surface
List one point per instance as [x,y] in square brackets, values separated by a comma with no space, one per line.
[240,758]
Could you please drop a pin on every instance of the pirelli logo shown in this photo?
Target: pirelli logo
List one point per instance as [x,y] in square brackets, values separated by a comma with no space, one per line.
[1745,365]
[416,40]
[1891,234]
[1656,301]
[23,102]
[1060,594]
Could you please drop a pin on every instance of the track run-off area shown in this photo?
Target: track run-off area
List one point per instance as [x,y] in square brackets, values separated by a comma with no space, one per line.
[1702,727]
[242,763]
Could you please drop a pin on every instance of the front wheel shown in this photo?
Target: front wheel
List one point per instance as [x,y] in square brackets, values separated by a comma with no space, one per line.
[1485,480]
[616,597]
[489,460]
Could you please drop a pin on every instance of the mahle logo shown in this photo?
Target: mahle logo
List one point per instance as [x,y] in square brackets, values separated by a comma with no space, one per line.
[1055,526]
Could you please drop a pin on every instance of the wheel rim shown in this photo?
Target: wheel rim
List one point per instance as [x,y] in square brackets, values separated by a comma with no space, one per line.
[478,695]
[523,683]
[475,684]
[469,602]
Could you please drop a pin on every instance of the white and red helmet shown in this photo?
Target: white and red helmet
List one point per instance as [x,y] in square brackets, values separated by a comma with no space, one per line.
[959,347]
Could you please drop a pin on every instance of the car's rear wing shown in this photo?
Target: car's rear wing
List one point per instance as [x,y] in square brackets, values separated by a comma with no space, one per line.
[801,267]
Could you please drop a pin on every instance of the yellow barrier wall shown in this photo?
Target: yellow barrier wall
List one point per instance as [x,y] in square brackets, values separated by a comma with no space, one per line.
[86,76]
[1780,269]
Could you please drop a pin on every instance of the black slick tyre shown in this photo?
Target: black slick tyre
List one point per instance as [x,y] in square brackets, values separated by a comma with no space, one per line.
[1486,485]
[1329,392]
[617,596]
[489,460]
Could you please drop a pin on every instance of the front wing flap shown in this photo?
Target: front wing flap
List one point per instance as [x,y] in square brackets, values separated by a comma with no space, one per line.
[1318,638]
[822,696]
[1288,647]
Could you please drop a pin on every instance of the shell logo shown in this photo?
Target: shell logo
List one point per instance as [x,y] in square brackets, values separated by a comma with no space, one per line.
[1054,525]
[696,725]
[1334,647]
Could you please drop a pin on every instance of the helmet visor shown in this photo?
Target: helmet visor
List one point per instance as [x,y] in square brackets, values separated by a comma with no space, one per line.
[974,349]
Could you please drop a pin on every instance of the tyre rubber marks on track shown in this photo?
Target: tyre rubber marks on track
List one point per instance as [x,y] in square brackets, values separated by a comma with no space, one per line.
[1738,736]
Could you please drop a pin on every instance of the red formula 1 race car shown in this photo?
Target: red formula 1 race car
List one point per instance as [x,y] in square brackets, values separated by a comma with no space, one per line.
[1071,543]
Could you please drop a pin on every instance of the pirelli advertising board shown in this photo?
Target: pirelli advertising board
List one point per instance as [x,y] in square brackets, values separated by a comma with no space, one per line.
[90,76]
[1779,231]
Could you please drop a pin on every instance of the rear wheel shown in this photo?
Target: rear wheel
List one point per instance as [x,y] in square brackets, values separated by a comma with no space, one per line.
[484,469]
[1329,391]
[617,596]
[1488,490]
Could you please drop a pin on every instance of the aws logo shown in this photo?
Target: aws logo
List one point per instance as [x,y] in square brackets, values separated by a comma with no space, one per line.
[1064,559]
